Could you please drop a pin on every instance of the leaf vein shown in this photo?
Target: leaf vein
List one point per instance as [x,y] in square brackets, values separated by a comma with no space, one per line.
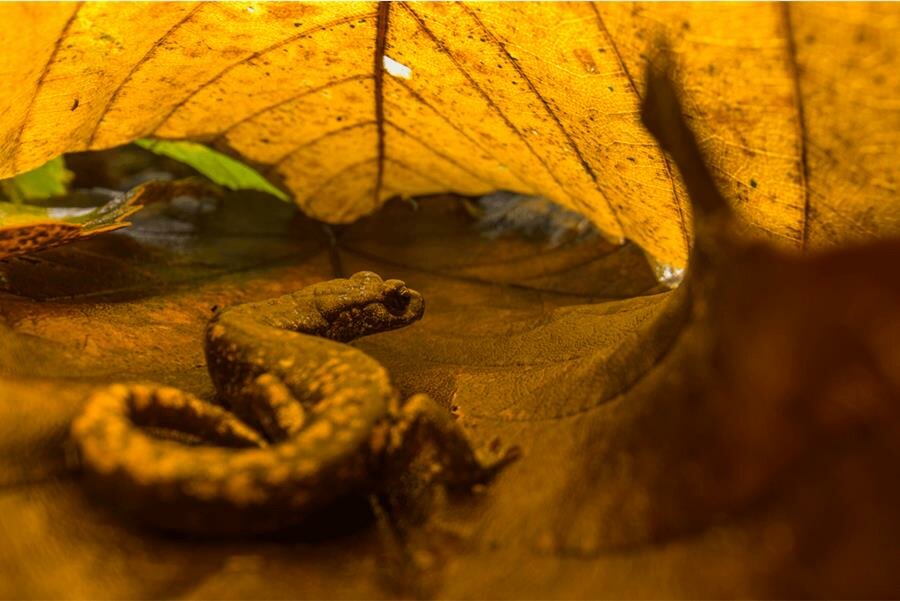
[490,101]
[418,173]
[40,82]
[288,100]
[418,97]
[334,176]
[800,121]
[540,97]
[315,140]
[381,30]
[249,58]
[601,25]
[431,148]
[134,69]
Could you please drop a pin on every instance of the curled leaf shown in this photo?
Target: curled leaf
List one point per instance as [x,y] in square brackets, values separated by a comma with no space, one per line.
[29,228]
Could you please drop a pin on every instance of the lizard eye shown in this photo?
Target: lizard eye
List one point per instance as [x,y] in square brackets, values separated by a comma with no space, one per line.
[396,301]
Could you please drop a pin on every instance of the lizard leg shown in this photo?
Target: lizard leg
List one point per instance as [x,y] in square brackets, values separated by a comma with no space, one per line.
[421,424]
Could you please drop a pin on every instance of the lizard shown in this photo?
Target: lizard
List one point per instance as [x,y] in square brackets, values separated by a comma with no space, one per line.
[304,419]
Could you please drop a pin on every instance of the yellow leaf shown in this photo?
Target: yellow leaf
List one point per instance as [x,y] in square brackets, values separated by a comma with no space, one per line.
[348,104]
[679,443]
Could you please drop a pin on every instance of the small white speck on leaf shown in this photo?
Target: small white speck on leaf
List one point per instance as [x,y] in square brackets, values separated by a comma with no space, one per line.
[668,275]
[396,69]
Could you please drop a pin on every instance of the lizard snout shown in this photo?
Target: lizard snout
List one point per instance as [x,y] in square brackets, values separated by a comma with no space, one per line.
[401,301]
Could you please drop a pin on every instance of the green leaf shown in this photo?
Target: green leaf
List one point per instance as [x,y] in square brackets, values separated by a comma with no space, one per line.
[48,180]
[218,167]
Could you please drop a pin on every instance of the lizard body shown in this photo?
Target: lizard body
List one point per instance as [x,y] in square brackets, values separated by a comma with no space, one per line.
[306,418]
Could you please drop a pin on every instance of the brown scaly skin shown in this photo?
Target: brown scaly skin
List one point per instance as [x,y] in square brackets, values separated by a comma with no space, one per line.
[310,420]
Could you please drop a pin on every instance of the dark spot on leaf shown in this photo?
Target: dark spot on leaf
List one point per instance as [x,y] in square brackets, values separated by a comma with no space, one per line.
[610,88]
[74,105]
[632,159]
[753,183]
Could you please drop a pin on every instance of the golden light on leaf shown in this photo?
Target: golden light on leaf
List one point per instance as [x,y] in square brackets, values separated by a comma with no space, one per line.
[795,104]
[674,442]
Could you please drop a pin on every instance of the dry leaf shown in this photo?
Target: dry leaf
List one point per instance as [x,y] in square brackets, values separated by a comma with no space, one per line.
[140,317]
[28,228]
[575,354]
[346,104]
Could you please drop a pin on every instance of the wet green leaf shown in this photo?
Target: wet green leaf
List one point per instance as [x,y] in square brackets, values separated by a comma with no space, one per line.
[50,179]
[218,167]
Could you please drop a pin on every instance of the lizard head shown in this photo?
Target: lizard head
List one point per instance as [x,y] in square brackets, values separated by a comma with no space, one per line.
[366,304]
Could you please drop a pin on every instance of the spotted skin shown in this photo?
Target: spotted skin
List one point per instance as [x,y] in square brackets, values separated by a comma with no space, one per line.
[305,419]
